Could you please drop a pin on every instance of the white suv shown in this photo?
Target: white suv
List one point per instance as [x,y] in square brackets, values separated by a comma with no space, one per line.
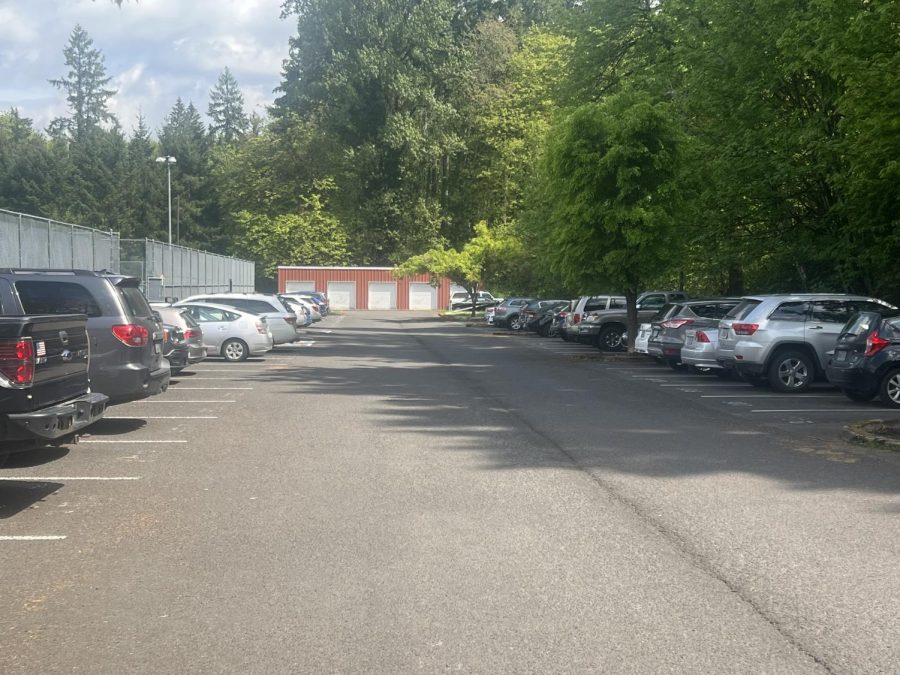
[782,340]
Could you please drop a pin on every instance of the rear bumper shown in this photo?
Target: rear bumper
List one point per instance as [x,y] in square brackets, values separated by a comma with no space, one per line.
[59,420]
[851,378]
[132,382]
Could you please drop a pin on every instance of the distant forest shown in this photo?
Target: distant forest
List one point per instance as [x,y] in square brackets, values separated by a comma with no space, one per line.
[720,146]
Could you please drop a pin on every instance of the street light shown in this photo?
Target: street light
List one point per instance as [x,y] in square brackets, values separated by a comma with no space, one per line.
[168,160]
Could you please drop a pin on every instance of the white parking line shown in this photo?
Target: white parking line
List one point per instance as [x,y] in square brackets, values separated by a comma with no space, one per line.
[163,417]
[88,440]
[180,402]
[213,388]
[854,411]
[49,479]
[32,537]
[222,379]
[684,384]
[792,396]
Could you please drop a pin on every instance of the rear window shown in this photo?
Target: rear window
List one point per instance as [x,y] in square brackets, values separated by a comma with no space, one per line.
[594,304]
[860,324]
[713,310]
[743,309]
[135,301]
[792,311]
[58,297]
[664,312]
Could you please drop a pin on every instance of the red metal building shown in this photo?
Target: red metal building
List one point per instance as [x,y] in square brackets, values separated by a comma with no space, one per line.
[366,287]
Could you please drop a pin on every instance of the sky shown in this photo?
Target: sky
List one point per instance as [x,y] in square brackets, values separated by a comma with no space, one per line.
[155,51]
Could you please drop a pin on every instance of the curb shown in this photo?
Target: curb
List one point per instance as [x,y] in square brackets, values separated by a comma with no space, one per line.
[870,432]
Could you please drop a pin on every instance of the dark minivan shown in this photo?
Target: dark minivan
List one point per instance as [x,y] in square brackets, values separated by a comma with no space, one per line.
[126,340]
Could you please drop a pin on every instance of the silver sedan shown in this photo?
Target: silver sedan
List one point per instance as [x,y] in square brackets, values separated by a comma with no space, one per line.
[232,333]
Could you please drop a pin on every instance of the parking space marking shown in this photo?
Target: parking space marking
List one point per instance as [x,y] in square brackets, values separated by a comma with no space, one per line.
[222,379]
[792,396]
[164,417]
[89,440]
[33,537]
[855,411]
[685,384]
[180,402]
[215,388]
[54,479]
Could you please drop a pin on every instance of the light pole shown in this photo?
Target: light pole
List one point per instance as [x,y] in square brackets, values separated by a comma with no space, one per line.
[168,160]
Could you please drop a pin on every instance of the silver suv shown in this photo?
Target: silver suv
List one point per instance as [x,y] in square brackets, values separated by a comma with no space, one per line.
[782,340]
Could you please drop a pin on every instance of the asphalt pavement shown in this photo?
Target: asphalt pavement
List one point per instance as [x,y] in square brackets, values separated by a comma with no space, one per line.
[398,494]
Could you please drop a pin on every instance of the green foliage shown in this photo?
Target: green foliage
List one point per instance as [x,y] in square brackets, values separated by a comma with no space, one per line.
[226,110]
[311,237]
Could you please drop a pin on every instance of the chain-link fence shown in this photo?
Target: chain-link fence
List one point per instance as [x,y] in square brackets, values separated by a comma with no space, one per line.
[27,241]
[177,272]
[165,271]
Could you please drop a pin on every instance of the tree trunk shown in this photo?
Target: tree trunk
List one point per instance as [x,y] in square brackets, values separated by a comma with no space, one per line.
[631,296]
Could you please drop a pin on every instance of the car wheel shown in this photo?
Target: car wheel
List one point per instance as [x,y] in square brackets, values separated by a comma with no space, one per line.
[611,339]
[859,394]
[515,323]
[889,393]
[791,372]
[235,350]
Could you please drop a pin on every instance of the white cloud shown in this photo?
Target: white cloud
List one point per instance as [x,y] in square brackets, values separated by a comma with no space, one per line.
[155,51]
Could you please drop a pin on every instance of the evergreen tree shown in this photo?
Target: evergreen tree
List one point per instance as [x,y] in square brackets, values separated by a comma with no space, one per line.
[226,110]
[85,84]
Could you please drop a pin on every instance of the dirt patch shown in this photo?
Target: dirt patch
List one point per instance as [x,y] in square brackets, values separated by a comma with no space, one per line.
[881,432]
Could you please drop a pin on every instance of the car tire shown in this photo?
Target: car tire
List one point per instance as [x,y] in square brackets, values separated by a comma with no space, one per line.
[791,372]
[235,350]
[889,391]
[515,323]
[611,339]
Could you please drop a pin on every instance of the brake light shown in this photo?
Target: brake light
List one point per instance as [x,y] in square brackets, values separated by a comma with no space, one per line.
[131,334]
[701,337]
[744,328]
[191,333]
[874,344]
[676,323]
[17,361]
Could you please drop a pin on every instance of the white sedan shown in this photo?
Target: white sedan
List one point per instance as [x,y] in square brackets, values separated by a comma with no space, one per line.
[234,334]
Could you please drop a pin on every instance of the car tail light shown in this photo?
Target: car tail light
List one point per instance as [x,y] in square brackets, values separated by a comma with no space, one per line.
[874,344]
[17,361]
[191,333]
[676,323]
[261,328]
[744,328]
[701,337]
[131,334]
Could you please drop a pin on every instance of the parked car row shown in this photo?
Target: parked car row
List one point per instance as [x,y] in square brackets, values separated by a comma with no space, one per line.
[786,342]
[74,341]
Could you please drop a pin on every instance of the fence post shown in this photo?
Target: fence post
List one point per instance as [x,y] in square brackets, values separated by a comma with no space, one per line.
[49,243]
[20,240]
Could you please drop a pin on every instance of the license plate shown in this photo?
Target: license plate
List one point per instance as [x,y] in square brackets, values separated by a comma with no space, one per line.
[157,348]
[689,340]
[723,333]
[840,355]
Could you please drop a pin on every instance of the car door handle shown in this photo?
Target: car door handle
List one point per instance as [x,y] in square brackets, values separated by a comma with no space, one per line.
[816,327]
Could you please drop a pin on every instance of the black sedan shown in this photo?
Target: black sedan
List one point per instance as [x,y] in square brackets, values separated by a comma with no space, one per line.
[866,359]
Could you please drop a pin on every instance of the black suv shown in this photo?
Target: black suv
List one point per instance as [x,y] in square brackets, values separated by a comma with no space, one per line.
[126,340]
[866,359]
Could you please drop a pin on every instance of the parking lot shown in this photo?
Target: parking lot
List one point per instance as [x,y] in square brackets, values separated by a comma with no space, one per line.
[373,497]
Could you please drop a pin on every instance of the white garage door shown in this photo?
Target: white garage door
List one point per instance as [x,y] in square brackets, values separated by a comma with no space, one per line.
[382,295]
[342,294]
[299,286]
[422,296]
